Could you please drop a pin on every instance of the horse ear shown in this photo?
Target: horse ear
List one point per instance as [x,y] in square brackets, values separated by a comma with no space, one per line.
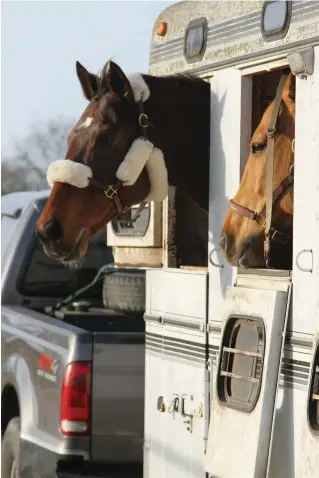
[289,90]
[89,82]
[114,78]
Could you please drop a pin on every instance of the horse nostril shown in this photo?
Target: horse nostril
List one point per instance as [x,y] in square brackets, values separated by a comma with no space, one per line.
[52,230]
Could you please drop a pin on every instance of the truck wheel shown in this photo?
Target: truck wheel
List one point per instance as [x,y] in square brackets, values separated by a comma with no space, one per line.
[124,291]
[10,450]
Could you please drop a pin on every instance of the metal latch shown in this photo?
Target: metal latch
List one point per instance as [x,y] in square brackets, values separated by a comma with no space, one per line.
[190,408]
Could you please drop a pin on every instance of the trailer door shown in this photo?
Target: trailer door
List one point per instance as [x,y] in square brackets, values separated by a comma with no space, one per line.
[246,375]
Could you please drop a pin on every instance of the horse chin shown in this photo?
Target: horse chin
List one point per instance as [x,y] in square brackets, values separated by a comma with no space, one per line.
[250,254]
[71,255]
[246,261]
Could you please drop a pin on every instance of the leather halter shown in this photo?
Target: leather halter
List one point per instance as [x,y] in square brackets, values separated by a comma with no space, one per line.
[111,190]
[263,218]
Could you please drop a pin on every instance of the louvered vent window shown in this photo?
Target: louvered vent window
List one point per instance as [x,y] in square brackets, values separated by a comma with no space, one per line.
[241,363]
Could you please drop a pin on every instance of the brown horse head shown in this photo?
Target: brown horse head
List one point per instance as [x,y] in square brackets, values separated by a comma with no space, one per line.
[243,232]
[97,145]
[107,151]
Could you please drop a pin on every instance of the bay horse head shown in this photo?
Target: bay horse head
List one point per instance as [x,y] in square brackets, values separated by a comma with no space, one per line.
[108,166]
[248,228]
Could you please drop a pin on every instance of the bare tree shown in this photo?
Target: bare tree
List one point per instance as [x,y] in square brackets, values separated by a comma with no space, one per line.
[25,169]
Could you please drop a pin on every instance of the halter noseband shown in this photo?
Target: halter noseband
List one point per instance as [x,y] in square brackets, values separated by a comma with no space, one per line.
[111,190]
[263,218]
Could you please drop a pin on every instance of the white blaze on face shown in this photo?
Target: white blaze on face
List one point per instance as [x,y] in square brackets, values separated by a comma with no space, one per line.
[87,122]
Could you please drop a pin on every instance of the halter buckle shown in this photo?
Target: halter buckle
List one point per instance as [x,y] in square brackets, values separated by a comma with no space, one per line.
[271,131]
[278,236]
[257,218]
[111,192]
[142,117]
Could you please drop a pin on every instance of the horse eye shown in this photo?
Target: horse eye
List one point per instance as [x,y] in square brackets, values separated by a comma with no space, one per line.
[258,148]
[107,135]
[109,139]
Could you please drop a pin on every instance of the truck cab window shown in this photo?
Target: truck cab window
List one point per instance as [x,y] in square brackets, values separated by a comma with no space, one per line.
[42,276]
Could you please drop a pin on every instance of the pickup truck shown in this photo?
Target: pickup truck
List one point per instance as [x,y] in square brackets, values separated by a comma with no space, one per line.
[72,391]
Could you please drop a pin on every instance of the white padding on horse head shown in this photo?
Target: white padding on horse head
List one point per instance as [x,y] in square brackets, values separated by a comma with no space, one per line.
[140,89]
[66,171]
[134,161]
[157,173]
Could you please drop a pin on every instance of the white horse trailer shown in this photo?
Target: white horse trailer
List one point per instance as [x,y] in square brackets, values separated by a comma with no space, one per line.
[256,414]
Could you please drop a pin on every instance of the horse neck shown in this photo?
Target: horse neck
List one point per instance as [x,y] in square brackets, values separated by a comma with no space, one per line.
[179,110]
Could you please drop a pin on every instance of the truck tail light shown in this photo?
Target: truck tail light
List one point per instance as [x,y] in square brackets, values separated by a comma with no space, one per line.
[76,399]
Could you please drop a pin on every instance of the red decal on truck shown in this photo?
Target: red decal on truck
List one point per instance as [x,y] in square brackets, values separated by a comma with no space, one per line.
[47,367]
[45,362]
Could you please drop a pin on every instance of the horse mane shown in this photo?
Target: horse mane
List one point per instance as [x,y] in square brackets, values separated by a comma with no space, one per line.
[180,77]
[176,77]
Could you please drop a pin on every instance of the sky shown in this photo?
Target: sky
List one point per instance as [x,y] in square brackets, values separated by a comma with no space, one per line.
[40,43]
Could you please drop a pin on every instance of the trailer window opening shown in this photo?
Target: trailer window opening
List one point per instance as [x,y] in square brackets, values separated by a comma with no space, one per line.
[135,229]
[191,235]
[41,276]
[195,40]
[241,363]
[262,91]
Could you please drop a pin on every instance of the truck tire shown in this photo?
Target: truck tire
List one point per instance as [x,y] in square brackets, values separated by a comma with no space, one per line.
[124,291]
[10,450]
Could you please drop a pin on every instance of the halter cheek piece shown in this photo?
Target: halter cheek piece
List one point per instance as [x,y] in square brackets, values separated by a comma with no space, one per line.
[263,218]
[111,190]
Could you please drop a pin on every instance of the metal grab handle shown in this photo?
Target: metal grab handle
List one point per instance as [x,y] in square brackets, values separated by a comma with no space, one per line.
[241,352]
[211,260]
[239,377]
[177,323]
[183,323]
[298,264]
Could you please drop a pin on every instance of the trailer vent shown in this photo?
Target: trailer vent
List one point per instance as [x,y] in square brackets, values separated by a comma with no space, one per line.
[241,363]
